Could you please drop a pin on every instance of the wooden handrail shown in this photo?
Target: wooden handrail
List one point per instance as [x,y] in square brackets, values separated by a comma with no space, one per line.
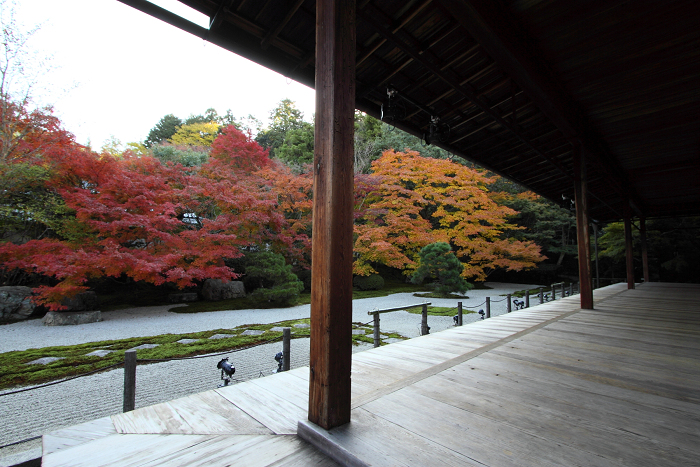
[398,308]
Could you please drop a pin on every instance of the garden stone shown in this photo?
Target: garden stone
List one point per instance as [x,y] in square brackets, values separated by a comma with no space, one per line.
[222,336]
[277,329]
[391,340]
[44,360]
[85,301]
[359,332]
[69,318]
[216,289]
[16,302]
[183,297]
[99,353]
[187,341]
[144,346]
[302,325]
[252,332]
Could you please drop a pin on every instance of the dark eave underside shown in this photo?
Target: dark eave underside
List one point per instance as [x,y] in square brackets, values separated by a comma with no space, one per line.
[519,83]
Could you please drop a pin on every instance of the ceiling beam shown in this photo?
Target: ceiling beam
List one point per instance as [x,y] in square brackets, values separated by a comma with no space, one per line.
[506,42]
[454,82]
[271,35]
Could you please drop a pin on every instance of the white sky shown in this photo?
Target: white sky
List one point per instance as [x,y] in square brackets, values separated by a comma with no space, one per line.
[119,71]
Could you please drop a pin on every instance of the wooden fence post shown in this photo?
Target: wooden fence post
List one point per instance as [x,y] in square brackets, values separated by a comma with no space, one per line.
[541,295]
[488,307]
[459,313]
[508,308]
[129,380]
[424,321]
[286,348]
[377,338]
[554,292]
[527,299]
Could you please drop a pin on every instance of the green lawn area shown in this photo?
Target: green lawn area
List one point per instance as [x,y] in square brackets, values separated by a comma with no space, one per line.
[75,361]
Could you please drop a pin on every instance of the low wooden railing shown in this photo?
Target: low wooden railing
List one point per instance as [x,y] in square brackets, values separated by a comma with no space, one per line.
[424,329]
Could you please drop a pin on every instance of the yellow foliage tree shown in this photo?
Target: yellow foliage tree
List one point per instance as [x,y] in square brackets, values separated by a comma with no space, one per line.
[196,134]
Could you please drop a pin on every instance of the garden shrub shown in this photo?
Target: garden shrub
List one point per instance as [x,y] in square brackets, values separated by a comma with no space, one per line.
[372,282]
[276,281]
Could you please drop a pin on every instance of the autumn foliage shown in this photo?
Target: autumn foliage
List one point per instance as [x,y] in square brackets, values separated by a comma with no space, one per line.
[149,221]
[418,201]
[152,220]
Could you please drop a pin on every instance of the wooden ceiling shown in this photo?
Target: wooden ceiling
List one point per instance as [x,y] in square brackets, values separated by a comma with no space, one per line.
[518,84]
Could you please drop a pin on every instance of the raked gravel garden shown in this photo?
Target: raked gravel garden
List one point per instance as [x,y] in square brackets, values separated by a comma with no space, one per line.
[32,413]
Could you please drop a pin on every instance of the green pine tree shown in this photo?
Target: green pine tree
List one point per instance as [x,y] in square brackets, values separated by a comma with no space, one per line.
[277,283]
[438,262]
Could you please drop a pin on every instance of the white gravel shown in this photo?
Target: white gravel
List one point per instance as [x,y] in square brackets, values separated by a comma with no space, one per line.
[40,411]
[150,321]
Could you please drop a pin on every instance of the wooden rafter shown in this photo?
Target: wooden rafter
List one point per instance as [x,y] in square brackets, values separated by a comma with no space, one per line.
[464,90]
[503,40]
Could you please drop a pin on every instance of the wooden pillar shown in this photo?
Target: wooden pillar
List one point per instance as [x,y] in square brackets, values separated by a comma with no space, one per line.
[595,240]
[629,251]
[645,251]
[331,287]
[582,231]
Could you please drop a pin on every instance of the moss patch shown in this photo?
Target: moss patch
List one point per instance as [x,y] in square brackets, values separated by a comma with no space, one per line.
[75,361]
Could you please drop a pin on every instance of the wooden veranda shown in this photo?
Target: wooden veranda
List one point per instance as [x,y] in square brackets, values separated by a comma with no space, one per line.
[595,102]
[549,385]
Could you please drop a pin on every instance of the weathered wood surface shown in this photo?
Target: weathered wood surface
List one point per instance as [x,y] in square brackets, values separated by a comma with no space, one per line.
[330,357]
[76,435]
[190,450]
[550,385]
[614,386]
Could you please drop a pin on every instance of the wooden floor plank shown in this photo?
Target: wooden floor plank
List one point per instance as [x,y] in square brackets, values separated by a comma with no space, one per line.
[286,386]
[594,384]
[122,450]
[78,434]
[467,432]
[378,442]
[549,385]
[571,428]
[279,415]
[494,385]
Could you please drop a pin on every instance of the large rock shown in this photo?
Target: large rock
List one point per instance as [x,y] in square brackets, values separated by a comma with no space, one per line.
[85,301]
[16,302]
[183,297]
[216,289]
[68,318]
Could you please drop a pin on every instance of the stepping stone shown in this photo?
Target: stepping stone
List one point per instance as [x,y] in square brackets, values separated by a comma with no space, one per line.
[187,341]
[252,332]
[222,336]
[99,353]
[302,326]
[44,360]
[391,340]
[277,329]
[359,332]
[144,346]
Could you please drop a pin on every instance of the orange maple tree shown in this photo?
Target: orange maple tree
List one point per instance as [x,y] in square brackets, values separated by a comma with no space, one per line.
[418,201]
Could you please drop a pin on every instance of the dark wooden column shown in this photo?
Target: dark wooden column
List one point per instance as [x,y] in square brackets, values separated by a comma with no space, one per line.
[582,230]
[645,251]
[629,251]
[331,286]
